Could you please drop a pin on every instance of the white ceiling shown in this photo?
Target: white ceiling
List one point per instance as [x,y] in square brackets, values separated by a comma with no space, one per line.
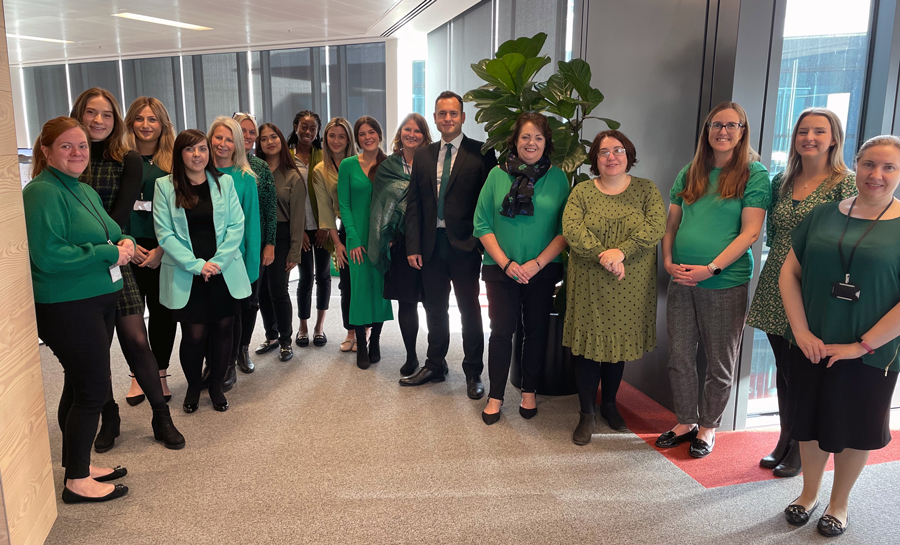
[237,24]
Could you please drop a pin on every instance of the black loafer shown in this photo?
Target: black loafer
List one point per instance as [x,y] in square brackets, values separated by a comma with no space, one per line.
[71,497]
[798,515]
[266,346]
[669,439]
[475,388]
[700,448]
[302,340]
[286,352]
[320,340]
[117,473]
[829,526]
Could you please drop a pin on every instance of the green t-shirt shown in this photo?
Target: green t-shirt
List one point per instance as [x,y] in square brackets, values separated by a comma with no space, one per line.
[875,269]
[522,238]
[711,223]
[140,224]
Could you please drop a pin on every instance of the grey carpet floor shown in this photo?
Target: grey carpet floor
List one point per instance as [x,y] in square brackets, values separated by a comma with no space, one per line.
[318,451]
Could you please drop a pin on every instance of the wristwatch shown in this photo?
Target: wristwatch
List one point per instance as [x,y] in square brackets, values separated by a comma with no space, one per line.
[714,269]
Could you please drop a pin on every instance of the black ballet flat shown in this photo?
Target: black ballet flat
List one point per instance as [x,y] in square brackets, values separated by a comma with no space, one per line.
[221,407]
[797,515]
[71,497]
[320,340]
[830,526]
[117,473]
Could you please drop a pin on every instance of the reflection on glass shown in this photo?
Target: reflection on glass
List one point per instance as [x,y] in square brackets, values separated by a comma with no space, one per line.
[823,64]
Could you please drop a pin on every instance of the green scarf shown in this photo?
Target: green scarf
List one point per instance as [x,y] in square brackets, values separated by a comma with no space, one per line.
[388,214]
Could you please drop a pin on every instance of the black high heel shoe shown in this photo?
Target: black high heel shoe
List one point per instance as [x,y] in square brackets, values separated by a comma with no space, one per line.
[491,418]
[135,400]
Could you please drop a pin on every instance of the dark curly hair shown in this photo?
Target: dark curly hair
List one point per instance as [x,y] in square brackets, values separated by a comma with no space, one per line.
[293,140]
[539,121]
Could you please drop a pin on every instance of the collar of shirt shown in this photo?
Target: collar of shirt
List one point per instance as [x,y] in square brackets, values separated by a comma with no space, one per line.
[455,142]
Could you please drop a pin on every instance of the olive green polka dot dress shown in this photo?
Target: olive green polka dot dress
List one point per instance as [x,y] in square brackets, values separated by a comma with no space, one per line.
[607,319]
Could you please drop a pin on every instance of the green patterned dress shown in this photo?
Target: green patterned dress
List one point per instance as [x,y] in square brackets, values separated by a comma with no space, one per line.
[767,311]
[608,320]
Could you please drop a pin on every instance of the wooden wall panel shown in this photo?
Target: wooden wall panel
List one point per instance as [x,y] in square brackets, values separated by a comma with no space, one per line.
[27,494]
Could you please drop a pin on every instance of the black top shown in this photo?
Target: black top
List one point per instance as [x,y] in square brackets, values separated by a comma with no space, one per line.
[117,183]
[200,223]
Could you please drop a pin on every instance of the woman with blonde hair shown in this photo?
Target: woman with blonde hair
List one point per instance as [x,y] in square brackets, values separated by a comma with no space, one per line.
[815,174]
[387,240]
[115,173]
[338,146]
[718,204]
[229,157]
[149,132]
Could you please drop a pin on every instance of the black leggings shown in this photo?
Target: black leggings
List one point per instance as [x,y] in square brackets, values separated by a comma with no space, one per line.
[318,260]
[408,316]
[344,285]
[274,300]
[136,349]
[79,334]
[161,327]
[244,323]
[781,348]
[212,341]
[590,375]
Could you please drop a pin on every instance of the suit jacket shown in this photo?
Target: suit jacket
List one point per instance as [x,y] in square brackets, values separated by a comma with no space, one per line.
[179,265]
[467,177]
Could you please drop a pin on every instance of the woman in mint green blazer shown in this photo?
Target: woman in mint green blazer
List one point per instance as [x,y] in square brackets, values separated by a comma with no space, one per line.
[200,226]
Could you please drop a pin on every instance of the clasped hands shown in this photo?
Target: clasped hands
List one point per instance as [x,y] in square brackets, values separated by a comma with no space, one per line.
[815,350]
[209,269]
[147,258]
[688,275]
[126,251]
[523,273]
[613,261]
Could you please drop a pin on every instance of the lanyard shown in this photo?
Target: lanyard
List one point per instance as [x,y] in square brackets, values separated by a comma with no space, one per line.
[98,216]
[334,163]
[845,264]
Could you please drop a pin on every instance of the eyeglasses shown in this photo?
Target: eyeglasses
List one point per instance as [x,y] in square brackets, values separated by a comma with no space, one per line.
[236,114]
[604,153]
[730,127]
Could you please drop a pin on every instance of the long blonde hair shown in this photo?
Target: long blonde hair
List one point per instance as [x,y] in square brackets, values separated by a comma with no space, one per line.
[735,174]
[351,147]
[52,130]
[835,154]
[239,156]
[162,157]
[116,148]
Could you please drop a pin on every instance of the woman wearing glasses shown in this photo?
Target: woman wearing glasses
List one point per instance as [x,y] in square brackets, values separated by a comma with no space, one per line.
[612,224]
[718,204]
[265,188]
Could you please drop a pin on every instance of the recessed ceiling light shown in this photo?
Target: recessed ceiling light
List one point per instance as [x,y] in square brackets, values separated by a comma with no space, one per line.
[39,39]
[158,21]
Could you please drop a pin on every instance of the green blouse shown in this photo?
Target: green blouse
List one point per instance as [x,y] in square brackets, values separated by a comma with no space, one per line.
[711,223]
[140,224]
[767,310]
[875,269]
[524,237]
[265,188]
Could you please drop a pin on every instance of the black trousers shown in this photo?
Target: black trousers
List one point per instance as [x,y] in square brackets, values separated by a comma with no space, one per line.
[314,263]
[448,265]
[79,334]
[161,328]
[509,302]
[781,350]
[344,285]
[274,300]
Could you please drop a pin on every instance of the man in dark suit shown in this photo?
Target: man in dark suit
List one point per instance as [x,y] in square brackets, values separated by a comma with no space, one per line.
[445,182]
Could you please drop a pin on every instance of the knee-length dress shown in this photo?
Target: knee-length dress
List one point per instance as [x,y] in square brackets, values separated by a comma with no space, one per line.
[367,304]
[607,319]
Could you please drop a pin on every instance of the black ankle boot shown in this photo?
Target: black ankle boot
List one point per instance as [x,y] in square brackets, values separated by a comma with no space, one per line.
[164,429]
[362,356]
[778,454]
[584,430]
[610,412]
[230,377]
[374,350]
[109,427]
[243,360]
[790,465]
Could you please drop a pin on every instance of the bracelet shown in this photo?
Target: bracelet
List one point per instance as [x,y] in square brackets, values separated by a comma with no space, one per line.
[865,346]
[508,263]
[538,264]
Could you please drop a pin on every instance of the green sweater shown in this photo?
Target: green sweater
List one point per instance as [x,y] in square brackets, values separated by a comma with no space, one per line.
[251,247]
[140,225]
[70,255]
[522,238]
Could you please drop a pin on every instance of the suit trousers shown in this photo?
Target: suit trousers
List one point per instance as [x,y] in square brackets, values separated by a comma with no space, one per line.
[449,265]
[274,300]
[717,318]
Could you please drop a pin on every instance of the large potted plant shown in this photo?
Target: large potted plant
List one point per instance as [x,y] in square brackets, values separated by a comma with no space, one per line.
[568,99]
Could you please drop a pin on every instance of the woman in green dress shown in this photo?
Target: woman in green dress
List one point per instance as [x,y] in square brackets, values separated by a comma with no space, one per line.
[815,174]
[612,224]
[841,289]
[368,308]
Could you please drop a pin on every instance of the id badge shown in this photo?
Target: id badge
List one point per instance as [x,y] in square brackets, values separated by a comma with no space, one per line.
[143,206]
[845,291]
[115,273]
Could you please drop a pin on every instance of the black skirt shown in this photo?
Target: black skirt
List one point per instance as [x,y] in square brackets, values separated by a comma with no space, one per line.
[402,282]
[209,302]
[843,406]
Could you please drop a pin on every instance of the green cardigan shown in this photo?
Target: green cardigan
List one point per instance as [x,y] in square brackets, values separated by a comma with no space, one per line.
[70,254]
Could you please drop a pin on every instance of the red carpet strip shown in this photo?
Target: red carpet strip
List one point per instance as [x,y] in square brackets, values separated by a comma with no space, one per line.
[735,457]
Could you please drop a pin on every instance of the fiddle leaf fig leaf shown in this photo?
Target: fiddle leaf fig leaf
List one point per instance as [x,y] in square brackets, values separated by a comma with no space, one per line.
[527,47]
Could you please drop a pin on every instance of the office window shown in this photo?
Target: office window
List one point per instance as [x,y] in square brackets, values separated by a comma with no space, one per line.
[152,78]
[365,82]
[418,87]
[46,96]
[291,77]
[83,76]
[470,38]
[823,64]
[220,88]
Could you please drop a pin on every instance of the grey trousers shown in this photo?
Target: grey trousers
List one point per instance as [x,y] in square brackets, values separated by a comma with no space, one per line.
[717,318]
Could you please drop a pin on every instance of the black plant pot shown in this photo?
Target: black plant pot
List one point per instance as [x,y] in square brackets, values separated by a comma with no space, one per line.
[558,375]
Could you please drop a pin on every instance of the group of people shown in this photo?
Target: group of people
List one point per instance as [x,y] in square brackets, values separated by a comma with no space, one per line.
[204,228]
